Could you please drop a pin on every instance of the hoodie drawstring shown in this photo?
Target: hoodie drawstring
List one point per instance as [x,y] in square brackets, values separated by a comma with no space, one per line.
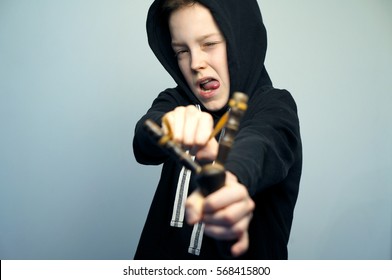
[178,214]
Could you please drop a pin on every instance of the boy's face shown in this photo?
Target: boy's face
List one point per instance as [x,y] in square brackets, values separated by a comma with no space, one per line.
[200,49]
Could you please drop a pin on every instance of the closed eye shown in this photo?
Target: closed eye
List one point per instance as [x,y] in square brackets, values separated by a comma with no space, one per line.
[208,44]
[211,45]
[180,52]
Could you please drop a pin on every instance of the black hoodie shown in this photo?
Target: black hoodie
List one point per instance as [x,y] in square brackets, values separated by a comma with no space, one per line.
[266,156]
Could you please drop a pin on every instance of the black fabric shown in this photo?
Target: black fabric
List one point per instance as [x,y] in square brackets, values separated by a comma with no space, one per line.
[267,152]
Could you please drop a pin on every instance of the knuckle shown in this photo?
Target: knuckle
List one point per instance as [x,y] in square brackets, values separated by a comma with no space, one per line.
[168,117]
[252,204]
[228,219]
[178,111]
[206,119]
[190,109]
[200,141]
[237,231]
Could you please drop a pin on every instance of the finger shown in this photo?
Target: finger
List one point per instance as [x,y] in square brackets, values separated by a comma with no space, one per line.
[209,152]
[228,232]
[191,120]
[176,119]
[232,214]
[204,128]
[241,246]
[224,197]
[194,208]
[219,233]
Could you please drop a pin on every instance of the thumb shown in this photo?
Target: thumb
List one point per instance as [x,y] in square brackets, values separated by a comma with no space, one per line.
[241,246]
[194,207]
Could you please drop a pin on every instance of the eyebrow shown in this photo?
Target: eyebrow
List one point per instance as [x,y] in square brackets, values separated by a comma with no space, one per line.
[177,44]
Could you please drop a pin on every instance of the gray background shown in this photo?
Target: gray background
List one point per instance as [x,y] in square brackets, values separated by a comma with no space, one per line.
[76,75]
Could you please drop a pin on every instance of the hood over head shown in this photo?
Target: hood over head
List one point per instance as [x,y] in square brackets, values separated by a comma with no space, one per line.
[241,23]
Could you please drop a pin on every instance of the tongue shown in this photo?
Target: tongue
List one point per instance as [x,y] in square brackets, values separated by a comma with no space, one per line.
[214,84]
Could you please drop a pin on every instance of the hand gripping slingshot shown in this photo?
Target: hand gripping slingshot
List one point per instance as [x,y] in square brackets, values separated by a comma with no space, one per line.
[209,177]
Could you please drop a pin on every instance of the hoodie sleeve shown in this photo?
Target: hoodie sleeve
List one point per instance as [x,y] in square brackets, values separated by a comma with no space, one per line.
[146,151]
[268,143]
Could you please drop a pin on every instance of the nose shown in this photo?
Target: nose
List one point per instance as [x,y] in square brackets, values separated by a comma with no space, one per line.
[198,60]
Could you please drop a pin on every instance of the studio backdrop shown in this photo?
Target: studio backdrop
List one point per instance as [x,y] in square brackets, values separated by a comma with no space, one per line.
[75,76]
